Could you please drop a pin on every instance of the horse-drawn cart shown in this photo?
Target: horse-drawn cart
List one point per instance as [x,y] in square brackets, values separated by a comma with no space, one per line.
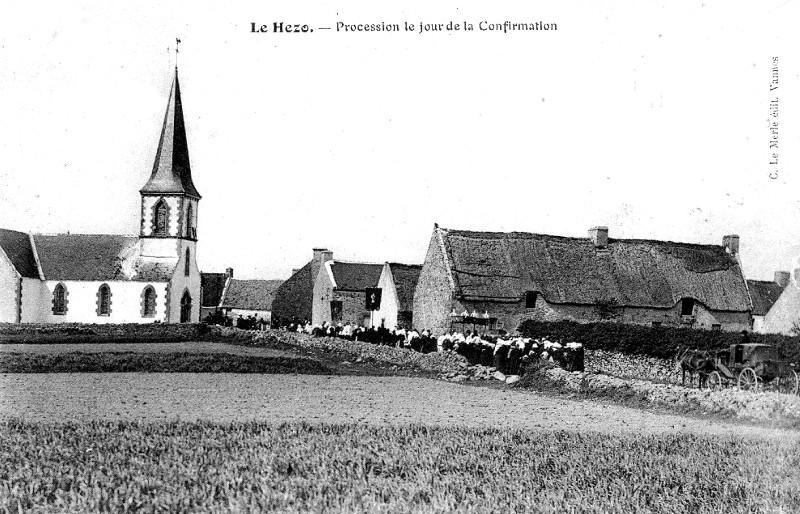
[750,366]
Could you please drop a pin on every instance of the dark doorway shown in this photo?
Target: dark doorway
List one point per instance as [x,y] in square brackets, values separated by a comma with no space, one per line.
[186,307]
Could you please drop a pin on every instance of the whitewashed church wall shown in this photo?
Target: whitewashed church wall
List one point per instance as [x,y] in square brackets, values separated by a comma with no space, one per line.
[82,302]
[35,301]
[180,283]
[9,284]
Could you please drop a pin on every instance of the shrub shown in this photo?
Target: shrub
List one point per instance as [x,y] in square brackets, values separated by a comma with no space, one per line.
[656,342]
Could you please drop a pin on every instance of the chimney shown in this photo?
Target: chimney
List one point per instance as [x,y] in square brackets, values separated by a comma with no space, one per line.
[731,244]
[294,271]
[321,256]
[599,236]
[782,278]
[229,272]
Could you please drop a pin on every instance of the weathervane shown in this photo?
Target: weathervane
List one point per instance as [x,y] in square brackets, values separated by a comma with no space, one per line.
[177,42]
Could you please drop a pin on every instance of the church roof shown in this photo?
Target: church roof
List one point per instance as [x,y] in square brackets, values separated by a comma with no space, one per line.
[641,273]
[764,294]
[171,170]
[250,294]
[98,257]
[355,276]
[17,247]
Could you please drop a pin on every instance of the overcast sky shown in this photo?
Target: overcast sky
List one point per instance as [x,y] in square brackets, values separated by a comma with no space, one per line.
[650,118]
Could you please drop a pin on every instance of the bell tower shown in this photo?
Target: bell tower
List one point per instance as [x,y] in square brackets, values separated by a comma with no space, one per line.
[169,198]
[168,224]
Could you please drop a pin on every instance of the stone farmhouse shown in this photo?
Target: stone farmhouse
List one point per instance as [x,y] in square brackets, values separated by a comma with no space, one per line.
[294,297]
[764,294]
[397,284]
[152,277]
[340,292]
[249,298]
[511,277]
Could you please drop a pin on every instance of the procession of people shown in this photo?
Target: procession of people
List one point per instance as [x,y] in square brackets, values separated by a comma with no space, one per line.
[509,354]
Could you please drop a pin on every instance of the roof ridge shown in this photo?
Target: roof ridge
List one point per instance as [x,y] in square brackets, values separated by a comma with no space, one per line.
[575,238]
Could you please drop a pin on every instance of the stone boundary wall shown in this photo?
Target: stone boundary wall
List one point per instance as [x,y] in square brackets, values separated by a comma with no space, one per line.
[102,333]
[641,367]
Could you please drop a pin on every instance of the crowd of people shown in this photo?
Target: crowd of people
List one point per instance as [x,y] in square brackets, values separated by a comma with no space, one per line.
[508,354]
[250,322]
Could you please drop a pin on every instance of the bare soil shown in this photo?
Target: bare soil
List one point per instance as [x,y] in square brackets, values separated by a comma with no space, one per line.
[56,397]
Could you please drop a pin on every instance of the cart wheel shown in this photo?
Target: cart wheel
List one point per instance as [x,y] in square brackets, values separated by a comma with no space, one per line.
[714,381]
[789,383]
[748,379]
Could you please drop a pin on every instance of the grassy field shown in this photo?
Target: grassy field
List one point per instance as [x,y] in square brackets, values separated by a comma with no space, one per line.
[119,466]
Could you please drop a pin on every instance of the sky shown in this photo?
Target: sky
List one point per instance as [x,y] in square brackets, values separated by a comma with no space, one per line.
[651,118]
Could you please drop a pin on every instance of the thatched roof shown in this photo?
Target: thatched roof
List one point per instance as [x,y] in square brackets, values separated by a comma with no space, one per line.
[405,281]
[256,295]
[355,276]
[764,294]
[642,273]
[212,286]
[294,297]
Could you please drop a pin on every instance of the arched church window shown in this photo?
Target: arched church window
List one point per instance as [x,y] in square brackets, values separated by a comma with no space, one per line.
[186,307]
[161,218]
[187,263]
[190,230]
[60,299]
[104,300]
[149,302]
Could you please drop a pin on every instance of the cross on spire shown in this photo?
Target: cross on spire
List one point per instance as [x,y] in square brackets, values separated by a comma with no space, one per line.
[177,42]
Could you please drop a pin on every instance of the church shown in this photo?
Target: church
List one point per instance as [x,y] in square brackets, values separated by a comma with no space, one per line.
[82,278]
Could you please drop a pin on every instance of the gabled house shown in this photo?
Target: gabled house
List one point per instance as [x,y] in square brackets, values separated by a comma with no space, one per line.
[249,298]
[516,276]
[397,284]
[340,292]
[764,294]
[212,285]
[294,298]
[110,278]
[784,315]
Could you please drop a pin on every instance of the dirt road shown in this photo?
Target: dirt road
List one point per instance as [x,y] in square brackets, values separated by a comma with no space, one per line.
[332,399]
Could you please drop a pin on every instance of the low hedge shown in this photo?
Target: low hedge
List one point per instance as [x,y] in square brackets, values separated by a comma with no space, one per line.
[66,333]
[128,362]
[661,342]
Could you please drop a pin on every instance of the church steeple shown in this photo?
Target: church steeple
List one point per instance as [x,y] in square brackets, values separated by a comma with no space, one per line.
[169,198]
[172,173]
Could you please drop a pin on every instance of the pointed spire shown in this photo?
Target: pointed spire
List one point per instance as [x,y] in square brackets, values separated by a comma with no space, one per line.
[171,170]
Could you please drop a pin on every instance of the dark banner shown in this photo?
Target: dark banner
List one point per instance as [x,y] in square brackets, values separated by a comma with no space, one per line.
[373,298]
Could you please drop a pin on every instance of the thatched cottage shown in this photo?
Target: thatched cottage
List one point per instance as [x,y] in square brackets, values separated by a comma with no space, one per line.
[511,277]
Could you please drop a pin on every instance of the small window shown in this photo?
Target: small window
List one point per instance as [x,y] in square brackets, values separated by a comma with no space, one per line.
[656,324]
[190,231]
[149,302]
[187,266]
[687,307]
[530,300]
[716,327]
[161,218]
[104,300]
[60,299]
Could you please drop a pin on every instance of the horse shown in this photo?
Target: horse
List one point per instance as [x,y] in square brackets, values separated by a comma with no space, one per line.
[694,361]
